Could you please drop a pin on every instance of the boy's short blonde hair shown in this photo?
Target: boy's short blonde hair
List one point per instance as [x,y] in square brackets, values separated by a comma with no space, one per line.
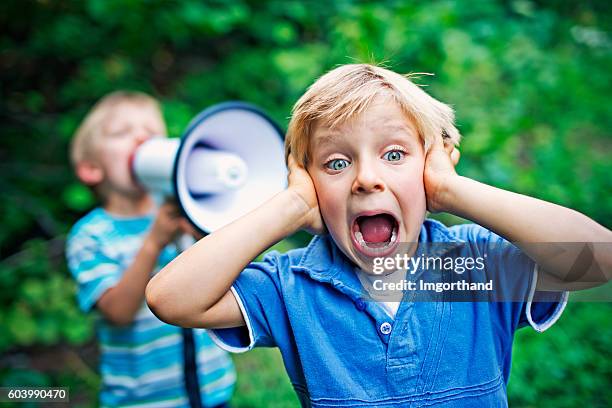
[348,90]
[90,129]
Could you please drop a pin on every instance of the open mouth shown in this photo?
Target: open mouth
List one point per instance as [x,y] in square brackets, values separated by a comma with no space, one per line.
[375,234]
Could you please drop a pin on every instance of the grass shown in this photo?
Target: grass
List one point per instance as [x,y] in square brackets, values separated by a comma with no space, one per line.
[262,380]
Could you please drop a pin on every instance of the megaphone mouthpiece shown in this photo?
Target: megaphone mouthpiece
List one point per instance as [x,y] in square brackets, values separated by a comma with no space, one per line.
[153,164]
[214,172]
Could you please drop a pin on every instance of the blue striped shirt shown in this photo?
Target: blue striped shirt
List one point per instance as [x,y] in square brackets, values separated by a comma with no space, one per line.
[141,364]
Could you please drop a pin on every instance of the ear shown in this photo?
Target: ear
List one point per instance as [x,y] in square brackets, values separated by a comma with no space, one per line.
[89,172]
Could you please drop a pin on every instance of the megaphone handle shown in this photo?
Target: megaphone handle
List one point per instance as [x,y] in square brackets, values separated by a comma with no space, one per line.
[183,242]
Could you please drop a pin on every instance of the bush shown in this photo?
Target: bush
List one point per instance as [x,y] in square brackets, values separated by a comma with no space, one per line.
[529,81]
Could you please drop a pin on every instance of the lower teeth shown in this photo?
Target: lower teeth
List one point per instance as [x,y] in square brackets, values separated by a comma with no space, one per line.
[381,246]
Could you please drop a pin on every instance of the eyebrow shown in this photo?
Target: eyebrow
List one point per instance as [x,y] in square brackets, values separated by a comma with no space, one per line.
[326,136]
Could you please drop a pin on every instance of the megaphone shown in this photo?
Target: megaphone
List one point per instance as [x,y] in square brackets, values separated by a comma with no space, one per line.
[229,161]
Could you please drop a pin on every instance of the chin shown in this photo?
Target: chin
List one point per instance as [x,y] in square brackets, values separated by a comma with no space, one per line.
[134,192]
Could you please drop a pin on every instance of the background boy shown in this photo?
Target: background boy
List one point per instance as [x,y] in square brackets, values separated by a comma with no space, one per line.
[372,145]
[112,253]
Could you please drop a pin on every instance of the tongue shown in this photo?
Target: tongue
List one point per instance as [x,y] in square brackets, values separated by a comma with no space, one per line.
[377,228]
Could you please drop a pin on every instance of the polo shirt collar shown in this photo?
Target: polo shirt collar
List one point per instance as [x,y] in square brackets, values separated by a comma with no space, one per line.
[324,262]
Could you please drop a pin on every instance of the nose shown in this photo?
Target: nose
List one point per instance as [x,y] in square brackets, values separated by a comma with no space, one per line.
[367,180]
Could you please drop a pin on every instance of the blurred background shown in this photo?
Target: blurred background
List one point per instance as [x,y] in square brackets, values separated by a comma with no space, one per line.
[530,82]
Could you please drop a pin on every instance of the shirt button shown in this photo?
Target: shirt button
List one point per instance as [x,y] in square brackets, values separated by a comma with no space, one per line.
[385,328]
[360,304]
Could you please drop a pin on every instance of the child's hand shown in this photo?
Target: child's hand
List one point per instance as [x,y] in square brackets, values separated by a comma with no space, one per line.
[301,184]
[167,225]
[188,229]
[439,170]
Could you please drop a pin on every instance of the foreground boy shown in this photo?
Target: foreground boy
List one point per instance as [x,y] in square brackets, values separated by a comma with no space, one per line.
[112,253]
[367,159]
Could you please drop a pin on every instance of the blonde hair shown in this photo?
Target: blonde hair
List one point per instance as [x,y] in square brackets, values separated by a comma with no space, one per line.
[90,129]
[348,90]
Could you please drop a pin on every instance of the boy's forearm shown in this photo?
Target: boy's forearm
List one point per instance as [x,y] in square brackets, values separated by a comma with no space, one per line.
[196,280]
[524,220]
[121,303]
[517,217]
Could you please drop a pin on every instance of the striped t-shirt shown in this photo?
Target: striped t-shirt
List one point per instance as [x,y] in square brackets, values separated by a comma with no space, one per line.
[141,364]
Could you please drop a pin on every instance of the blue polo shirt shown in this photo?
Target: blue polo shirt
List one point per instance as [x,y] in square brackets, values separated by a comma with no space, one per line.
[341,350]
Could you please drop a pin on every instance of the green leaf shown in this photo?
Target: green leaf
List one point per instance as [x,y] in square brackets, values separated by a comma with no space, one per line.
[78,197]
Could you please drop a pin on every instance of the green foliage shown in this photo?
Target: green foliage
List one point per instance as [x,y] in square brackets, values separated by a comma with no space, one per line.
[567,365]
[262,381]
[529,81]
[37,300]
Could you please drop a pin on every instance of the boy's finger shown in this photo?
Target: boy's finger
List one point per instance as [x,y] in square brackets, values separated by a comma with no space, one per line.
[291,162]
[170,202]
[438,142]
[448,147]
[170,210]
[189,229]
[455,156]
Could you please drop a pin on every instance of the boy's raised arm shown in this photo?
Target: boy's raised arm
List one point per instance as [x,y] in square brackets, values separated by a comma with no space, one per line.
[527,222]
[120,303]
[193,290]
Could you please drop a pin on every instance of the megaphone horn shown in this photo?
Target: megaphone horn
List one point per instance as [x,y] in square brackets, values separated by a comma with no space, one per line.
[228,161]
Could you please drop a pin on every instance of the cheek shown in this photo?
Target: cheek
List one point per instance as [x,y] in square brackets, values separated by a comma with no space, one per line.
[113,151]
[413,181]
[115,159]
[408,185]
[117,153]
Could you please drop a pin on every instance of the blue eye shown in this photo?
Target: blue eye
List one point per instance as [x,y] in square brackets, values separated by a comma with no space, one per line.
[337,164]
[394,155]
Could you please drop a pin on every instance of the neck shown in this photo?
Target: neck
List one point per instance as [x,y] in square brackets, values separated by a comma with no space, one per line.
[128,206]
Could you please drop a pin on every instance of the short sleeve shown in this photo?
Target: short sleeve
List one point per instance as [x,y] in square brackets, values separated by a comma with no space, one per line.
[93,271]
[542,314]
[258,294]
[515,276]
